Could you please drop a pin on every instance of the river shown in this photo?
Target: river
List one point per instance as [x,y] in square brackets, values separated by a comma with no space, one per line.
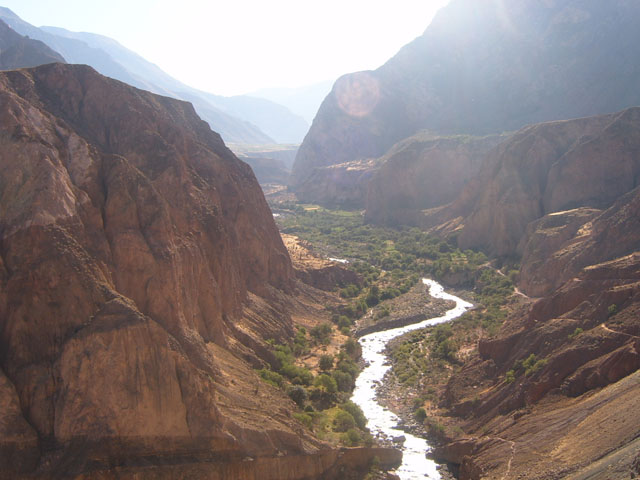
[415,465]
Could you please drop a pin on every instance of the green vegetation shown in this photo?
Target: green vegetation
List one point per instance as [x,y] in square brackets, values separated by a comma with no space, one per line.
[326,362]
[322,333]
[575,333]
[612,309]
[390,261]
[324,398]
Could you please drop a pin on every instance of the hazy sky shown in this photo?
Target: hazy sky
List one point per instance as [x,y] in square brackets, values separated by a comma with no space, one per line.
[237,46]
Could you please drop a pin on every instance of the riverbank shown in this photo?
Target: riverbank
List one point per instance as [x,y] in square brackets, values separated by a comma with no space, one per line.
[412,307]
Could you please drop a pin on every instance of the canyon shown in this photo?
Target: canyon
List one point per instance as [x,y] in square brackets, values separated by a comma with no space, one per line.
[144,282]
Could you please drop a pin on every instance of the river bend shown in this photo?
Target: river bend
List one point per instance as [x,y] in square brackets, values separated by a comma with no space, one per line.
[415,465]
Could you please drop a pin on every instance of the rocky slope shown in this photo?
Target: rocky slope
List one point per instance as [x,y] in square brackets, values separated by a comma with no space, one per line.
[543,169]
[140,272]
[316,271]
[17,51]
[422,172]
[482,67]
[566,413]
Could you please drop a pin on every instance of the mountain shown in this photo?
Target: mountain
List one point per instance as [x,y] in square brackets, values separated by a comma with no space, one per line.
[268,170]
[303,101]
[17,51]
[231,117]
[273,119]
[481,68]
[562,200]
[569,416]
[141,273]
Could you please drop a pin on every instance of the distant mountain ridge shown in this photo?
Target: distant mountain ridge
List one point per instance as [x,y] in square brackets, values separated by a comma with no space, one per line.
[262,123]
[303,101]
[17,51]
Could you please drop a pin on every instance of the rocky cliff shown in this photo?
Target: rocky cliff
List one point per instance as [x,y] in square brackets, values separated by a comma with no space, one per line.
[543,169]
[17,51]
[421,172]
[482,67]
[140,272]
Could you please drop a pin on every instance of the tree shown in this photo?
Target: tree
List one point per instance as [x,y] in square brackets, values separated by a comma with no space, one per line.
[326,383]
[343,421]
[326,362]
[298,394]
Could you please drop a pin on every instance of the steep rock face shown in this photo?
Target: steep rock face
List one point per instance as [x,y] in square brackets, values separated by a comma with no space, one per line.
[139,263]
[341,185]
[543,169]
[423,172]
[268,170]
[482,67]
[17,51]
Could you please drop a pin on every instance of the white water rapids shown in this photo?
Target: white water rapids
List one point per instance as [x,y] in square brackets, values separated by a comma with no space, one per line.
[414,465]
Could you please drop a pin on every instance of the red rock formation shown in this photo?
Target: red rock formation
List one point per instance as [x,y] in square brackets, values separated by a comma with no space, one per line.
[585,334]
[543,169]
[139,262]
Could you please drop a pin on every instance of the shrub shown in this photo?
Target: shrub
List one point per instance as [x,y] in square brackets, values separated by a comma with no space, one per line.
[326,362]
[373,297]
[326,383]
[352,348]
[575,333]
[300,342]
[343,421]
[510,376]
[421,414]
[343,380]
[344,321]
[298,394]
[612,309]
[384,312]
[356,413]
[322,333]
[305,419]
[351,438]
[531,365]
[271,377]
